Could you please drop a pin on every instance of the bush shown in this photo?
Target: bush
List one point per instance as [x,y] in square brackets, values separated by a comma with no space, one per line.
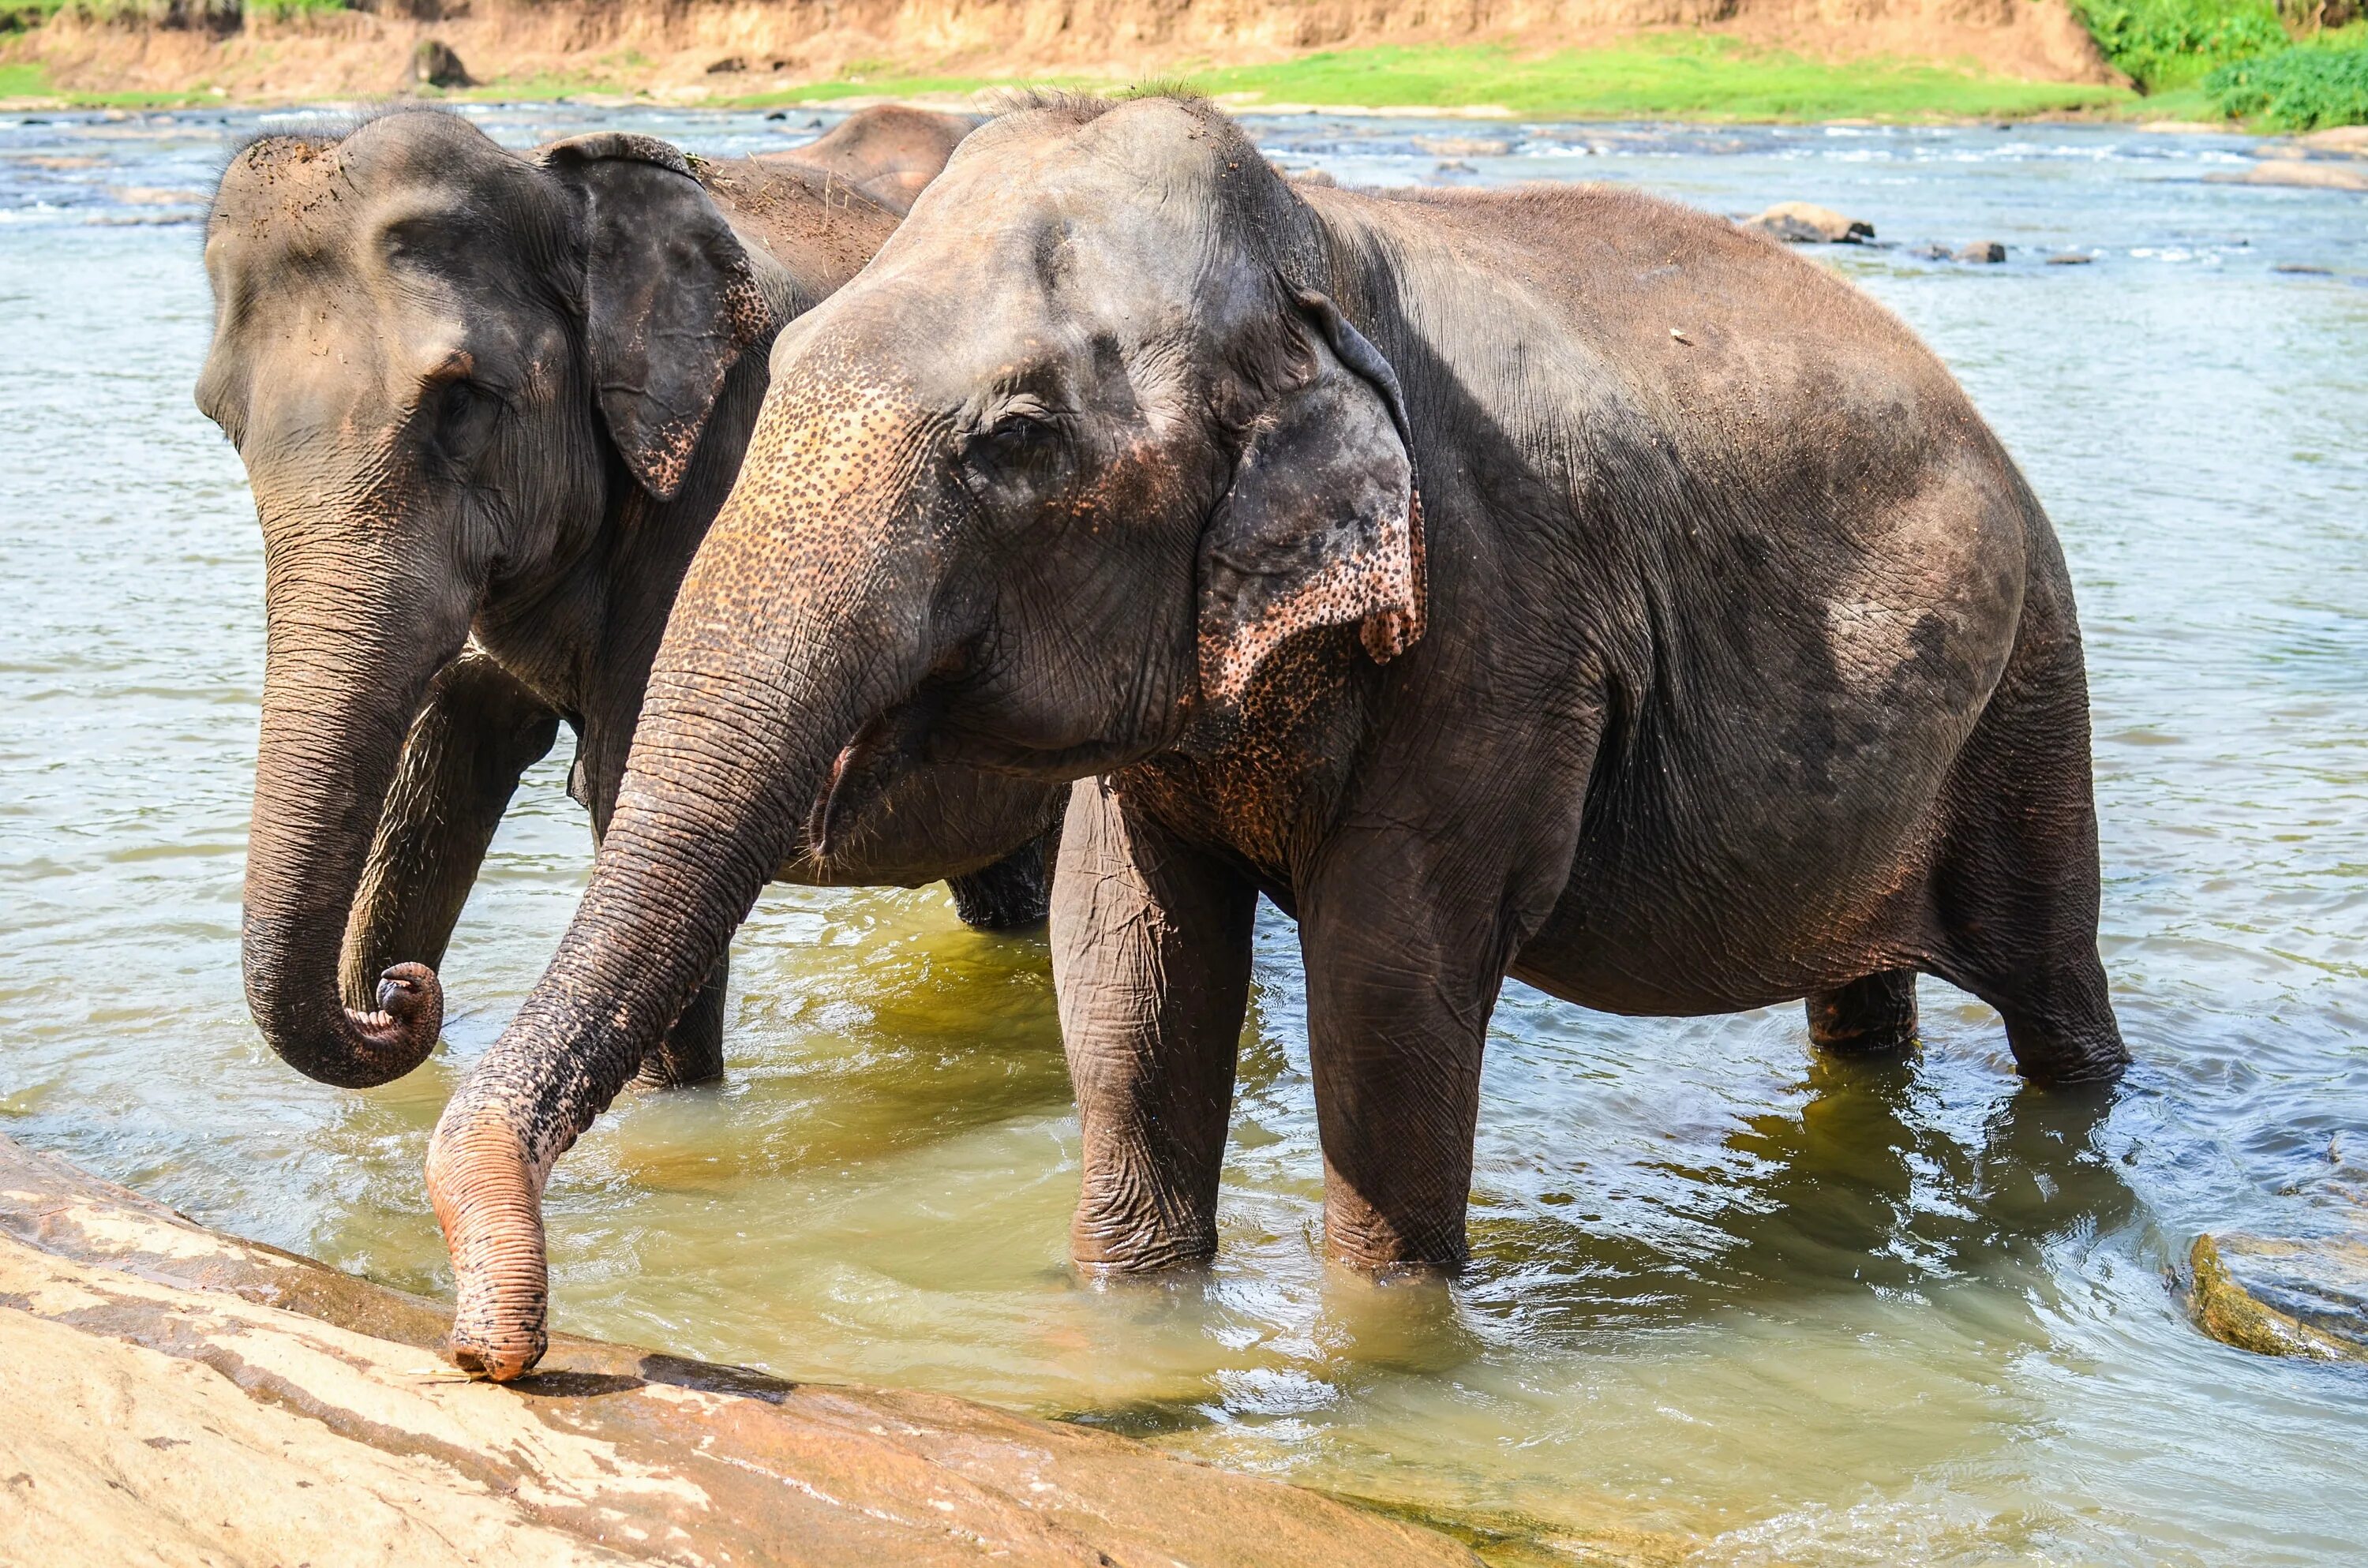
[2170,43]
[2300,89]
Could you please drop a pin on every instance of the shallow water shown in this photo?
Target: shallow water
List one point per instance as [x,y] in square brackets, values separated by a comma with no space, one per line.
[1728,1303]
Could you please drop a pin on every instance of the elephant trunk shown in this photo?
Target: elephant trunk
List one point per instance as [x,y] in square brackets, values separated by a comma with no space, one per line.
[762,685]
[339,691]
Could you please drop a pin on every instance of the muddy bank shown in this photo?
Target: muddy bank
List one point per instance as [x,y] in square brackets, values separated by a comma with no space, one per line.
[694,51]
[180,1395]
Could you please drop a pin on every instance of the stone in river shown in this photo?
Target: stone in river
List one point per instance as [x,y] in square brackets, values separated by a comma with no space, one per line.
[2224,1308]
[2299,172]
[1806,223]
[1463,146]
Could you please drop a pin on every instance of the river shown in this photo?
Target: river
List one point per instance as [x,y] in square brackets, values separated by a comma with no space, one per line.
[1729,1304]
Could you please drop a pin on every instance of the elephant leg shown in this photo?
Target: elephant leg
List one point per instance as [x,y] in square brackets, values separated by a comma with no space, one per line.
[1872,1016]
[2015,887]
[691,1051]
[479,731]
[1009,895]
[1395,1025]
[1151,961]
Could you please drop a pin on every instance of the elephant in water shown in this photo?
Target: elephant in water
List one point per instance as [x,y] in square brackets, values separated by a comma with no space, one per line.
[888,152]
[489,405]
[1553,582]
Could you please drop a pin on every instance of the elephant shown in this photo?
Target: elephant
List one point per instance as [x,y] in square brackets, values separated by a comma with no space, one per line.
[1555,582]
[489,405]
[887,152]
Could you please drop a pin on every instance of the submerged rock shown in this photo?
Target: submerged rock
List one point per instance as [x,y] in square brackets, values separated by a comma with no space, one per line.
[2230,1313]
[1986,253]
[1802,223]
[179,1394]
[2301,172]
[2350,140]
[1463,146]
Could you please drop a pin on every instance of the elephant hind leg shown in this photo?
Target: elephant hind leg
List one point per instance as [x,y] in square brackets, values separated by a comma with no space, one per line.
[691,1051]
[2014,891]
[1872,1016]
[1010,895]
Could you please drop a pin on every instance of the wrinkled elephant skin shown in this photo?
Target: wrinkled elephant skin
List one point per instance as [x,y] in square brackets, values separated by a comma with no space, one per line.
[1555,582]
[489,404]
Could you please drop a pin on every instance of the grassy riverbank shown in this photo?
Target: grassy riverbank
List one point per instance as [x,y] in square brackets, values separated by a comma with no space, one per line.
[1662,76]
[2186,60]
[1665,75]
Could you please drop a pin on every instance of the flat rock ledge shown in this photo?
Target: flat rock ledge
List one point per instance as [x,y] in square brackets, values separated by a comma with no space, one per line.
[175,1395]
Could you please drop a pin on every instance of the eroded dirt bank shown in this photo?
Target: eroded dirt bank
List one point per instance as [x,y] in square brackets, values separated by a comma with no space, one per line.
[692,49]
[176,1395]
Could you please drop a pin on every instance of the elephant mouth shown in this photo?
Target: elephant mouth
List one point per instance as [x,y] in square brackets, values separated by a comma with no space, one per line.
[881,751]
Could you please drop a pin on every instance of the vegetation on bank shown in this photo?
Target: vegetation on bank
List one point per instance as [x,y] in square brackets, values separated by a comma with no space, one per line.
[2283,69]
[1687,75]
[2280,64]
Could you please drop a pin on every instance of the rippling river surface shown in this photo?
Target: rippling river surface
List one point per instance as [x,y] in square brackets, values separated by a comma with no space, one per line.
[1729,1304]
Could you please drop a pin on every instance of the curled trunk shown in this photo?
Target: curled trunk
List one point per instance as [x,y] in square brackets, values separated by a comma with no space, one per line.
[340,687]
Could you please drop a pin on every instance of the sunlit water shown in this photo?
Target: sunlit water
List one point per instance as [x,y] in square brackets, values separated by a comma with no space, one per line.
[1728,1304]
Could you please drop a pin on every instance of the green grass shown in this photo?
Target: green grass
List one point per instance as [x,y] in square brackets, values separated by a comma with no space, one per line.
[20,81]
[1696,76]
[1689,75]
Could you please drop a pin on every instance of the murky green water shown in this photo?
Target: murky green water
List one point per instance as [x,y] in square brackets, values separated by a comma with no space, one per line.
[1729,1305]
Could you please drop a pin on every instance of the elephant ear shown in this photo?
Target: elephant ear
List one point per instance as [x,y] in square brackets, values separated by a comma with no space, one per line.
[1321,525]
[671,297]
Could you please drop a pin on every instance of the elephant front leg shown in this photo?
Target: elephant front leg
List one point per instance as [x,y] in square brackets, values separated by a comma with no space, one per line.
[691,1051]
[1406,934]
[1151,961]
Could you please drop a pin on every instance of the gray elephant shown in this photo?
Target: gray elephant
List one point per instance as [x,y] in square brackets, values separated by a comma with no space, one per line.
[1555,582]
[489,405]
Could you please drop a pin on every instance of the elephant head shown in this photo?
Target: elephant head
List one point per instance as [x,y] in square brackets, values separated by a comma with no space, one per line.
[439,361]
[1043,492]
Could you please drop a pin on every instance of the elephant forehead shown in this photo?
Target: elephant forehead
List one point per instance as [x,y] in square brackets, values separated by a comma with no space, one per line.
[826,440]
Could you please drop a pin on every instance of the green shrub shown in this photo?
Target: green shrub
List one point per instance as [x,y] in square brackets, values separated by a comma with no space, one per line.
[2169,43]
[279,10]
[2300,89]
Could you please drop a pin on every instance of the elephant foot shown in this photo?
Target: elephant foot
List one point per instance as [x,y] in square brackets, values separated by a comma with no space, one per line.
[489,1203]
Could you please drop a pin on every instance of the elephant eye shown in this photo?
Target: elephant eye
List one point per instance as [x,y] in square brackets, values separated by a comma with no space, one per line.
[1016,439]
[463,415]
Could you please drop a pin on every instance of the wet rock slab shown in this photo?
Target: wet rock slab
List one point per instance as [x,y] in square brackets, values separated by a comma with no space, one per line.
[180,1395]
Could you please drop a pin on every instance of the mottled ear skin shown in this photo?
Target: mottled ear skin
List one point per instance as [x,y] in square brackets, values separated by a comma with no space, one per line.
[1321,525]
[670,298]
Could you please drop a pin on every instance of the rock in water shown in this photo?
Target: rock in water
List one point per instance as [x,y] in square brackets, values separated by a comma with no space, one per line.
[161,1377]
[1463,146]
[434,64]
[2232,1316]
[2343,140]
[1988,253]
[2300,172]
[1805,223]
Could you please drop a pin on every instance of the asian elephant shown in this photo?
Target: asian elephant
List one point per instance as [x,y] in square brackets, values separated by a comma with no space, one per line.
[489,405]
[888,152]
[1554,582]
